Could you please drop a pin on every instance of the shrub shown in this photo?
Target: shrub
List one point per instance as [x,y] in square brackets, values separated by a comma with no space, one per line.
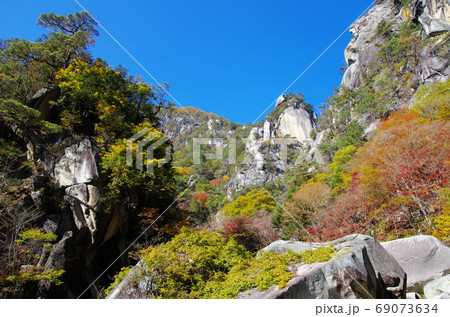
[255,200]
[300,210]
[253,233]
[200,264]
[433,101]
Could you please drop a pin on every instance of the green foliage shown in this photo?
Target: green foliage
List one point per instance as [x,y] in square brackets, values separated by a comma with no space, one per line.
[322,254]
[70,24]
[12,111]
[296,100]
[406,2]
[27,119]
[263,271]
[53,276]
[255,200]
[26,254]
[119,277]
[384,28]
[182,267]
[36,235]
[10,158]
[125,181]
[433,101]
[403,45]
[198,264]
[299,174]
[28,66]
[352,136]
[337,177]
[102,100]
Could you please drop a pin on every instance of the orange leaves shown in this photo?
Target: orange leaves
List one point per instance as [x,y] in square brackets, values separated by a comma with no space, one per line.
[403,168]
[254,232]
[397,181]
[201,198]
[398,118]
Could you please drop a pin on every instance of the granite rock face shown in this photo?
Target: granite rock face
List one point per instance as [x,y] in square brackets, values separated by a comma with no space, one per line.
[77,165]
[423,258]
[84,201]
[438,289]
[361,53]
[361,268]
[296,123]
[133,286]
[433,15]
[362,50]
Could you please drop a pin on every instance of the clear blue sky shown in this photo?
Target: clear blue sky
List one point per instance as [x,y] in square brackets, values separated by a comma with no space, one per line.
[230,57]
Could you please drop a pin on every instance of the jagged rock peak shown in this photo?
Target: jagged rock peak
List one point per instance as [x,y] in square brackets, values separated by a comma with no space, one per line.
[292,117]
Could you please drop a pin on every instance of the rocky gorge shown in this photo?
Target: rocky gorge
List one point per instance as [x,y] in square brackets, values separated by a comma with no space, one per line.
[95,215]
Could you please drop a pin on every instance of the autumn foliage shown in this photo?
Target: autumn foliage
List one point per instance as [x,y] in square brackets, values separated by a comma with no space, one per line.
[397,183]
[201,198]
[253,233]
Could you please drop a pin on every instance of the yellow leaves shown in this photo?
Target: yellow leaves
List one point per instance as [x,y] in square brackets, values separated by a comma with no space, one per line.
[256,200]
[183,171]
[344,180]
[406,13]
[433,102]
[37,235]
[442,222]
[319,178]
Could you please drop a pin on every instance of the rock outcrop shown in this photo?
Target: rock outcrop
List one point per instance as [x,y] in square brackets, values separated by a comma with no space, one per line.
[77,165]
[361,268]
[267,143]
[362,50]
[296,123]
[133,286]
[433,15]
[66,200]
[423,258]
[361,53]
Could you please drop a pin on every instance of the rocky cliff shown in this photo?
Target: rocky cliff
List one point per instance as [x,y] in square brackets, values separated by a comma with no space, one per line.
[260,155]
[70,193]
[280,141]
[363,51]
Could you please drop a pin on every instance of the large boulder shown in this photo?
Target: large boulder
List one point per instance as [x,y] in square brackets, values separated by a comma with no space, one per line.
[423,258]
[361,268]
[296,123]
[438,289]
[133,286]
